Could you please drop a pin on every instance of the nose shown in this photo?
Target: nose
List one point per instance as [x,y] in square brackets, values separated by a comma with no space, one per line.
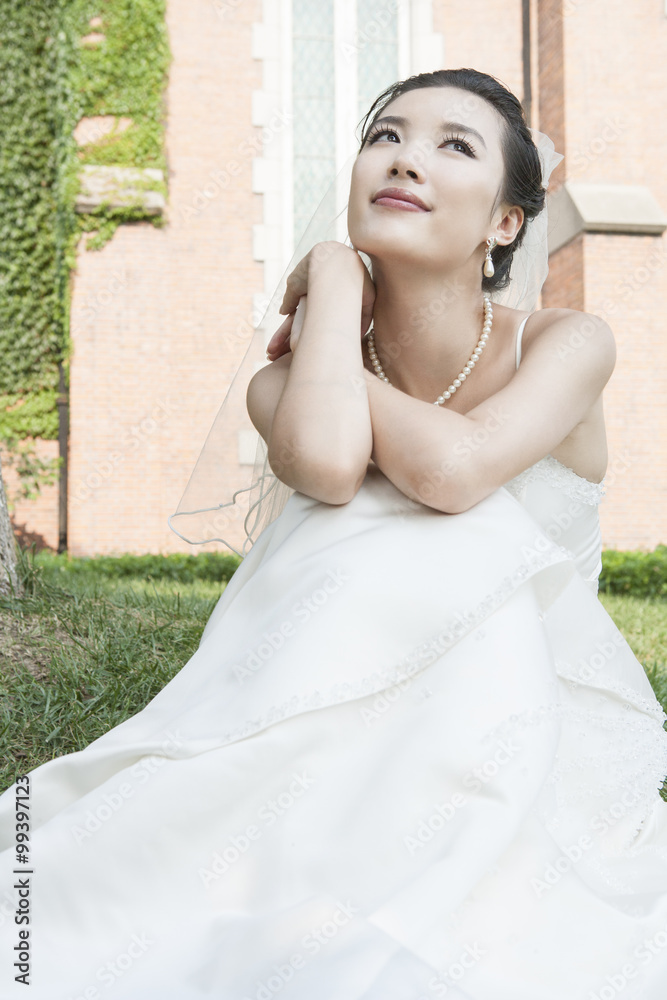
[406,163]
[409,171]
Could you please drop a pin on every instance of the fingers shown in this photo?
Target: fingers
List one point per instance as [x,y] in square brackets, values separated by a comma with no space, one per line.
[279,343]
[367,301]
[278,348]
[296,285]
[297,280]
[285,349]
[277,352]
[282,332]
[295,289]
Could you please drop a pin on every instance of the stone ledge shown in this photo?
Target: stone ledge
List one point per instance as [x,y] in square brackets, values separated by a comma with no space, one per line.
[578,207]
[120,187]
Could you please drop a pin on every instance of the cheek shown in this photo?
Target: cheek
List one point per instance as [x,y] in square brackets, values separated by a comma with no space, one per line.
[359,208]
[353,200]
[462,200]
[352,213]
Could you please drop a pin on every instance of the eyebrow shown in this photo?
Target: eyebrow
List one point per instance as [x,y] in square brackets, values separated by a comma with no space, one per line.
[445,126]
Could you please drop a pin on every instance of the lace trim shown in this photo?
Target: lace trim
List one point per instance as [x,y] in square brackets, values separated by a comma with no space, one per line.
[425,654]
[650,707]
[608,876]
[565,479]
[641,740]
[535,716]
[640,743]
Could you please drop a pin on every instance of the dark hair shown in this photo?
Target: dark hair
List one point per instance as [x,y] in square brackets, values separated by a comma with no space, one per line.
[522,183]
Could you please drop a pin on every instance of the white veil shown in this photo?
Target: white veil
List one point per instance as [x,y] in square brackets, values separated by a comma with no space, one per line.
[215,500]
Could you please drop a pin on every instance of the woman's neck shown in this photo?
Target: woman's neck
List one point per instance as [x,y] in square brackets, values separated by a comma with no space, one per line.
[425,329]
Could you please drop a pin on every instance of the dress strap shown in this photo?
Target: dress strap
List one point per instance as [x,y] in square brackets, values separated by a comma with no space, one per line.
[518,341]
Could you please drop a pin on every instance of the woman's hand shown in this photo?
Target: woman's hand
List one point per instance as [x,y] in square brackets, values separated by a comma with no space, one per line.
[280,341]
[297,286]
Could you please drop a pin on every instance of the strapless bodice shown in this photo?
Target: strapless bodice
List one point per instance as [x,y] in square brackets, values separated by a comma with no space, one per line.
[566,507]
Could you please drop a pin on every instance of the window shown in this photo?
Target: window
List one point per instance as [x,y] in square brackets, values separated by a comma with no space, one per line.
[344,53]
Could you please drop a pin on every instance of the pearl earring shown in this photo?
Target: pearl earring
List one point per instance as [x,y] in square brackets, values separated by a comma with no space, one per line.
[489,269]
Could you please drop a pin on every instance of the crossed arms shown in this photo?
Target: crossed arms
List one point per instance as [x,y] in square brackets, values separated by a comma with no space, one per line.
[324,416]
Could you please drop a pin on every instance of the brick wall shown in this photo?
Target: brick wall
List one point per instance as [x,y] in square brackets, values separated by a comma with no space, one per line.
[551,72]
[625,283]
[153,362]
[615,56]
[564,287]
[483,35]
[34,520]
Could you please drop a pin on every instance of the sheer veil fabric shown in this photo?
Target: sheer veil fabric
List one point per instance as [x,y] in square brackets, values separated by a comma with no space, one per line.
[212,503]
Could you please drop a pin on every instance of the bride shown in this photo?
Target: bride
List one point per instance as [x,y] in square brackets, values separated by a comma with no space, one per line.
[413,757]
[468,200]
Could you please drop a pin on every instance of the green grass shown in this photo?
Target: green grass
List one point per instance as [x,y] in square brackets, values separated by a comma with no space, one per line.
[643,622]
[82,652]
[93,641]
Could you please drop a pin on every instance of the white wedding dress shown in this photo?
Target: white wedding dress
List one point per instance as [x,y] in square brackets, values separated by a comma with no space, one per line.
[413,757]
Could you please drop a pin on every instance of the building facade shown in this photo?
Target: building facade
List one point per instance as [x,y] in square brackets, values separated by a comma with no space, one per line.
[264,101]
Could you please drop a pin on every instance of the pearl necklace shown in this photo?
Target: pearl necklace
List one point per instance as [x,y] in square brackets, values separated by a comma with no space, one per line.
[461,377]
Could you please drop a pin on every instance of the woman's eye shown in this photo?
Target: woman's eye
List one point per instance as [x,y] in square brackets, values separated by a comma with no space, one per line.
[464,146]
[382,131]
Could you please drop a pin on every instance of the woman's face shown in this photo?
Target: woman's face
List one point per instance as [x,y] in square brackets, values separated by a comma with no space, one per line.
[447,151]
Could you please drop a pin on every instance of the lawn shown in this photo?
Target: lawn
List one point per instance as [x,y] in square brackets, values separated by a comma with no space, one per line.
[79,655]
[82,652]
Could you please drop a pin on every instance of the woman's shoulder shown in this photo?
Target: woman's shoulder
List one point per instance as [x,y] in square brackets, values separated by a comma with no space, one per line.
[561,333]
[562,324]
[543,319]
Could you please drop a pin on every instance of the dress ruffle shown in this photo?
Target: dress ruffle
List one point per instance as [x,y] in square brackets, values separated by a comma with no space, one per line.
[412,757]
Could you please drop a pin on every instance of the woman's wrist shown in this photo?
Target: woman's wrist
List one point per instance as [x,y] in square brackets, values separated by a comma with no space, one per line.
[344,271]
[338,259]
[331,250]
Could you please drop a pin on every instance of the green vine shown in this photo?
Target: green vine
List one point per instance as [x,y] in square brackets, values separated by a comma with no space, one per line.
[32,415]
[50,81]
[124,76]
[31,333]
[33,472]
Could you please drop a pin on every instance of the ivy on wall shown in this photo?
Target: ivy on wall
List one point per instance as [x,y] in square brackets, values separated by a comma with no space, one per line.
[30,318]
[124,76]
[55,70]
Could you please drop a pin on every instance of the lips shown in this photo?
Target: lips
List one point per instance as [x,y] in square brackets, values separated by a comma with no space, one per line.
[389,196]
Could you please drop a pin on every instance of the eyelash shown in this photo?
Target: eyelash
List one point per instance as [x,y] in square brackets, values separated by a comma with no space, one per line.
[390,131]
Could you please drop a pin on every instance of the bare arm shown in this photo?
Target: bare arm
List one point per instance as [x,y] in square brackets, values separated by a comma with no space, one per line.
[450,461]
[319,435]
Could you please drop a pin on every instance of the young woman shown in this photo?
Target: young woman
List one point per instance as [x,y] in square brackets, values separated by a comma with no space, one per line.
[413,756]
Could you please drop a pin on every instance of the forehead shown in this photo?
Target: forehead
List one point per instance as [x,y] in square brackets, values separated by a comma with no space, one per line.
[429,106]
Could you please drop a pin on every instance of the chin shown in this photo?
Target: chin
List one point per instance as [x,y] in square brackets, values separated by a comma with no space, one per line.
[376,239]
